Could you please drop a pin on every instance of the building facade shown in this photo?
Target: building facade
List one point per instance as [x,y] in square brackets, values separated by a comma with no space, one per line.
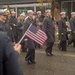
[68,6]
[23,5]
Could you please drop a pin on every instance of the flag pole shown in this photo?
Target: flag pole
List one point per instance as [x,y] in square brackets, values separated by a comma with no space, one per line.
[24,34]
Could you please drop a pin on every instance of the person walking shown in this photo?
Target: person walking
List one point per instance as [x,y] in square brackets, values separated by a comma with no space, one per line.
[13,26]
[72,24]
[50,31]
[30,56]
[62,29]
[20,26]
[9,64]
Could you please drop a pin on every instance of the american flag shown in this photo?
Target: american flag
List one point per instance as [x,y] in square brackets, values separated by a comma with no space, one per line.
[36,34]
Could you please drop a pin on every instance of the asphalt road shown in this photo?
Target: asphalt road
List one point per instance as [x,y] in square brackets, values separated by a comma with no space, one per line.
[61,63]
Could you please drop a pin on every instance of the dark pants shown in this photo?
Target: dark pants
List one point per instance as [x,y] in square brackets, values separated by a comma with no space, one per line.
[24,49]
[23,42]
[74,43]
[37,45]
[12,36]
[30,55]
[16,39]
[49,47]
[62,45]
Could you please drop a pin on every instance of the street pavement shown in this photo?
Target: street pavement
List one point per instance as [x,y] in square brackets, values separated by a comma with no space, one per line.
[61,63]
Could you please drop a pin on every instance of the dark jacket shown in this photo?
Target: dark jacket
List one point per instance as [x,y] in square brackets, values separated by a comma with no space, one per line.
[62,28]
[5,27]
[49,29]
[9,64]
[29,43]
[72,24]
[20,26]
[12,21]
[2,27]
[38,21]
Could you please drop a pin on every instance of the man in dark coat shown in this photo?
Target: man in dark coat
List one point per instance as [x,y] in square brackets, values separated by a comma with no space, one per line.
[49,30]
[9,64]
[30,57]
[38,20]
[62,28]
[20,26]
[3,24]
[13,26]
[72,24]
[3,16]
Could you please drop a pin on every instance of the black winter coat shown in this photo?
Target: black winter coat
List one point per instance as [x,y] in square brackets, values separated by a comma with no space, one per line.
[12,21]
[62,28]
[30,44]
[5,27]
[49,29]
[9,64]
[72,24]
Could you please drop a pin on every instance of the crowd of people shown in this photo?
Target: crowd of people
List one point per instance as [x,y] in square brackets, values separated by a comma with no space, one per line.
[9,64]
[12,29]
[65,30]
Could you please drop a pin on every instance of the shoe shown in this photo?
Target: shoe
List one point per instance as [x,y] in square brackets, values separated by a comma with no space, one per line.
[73,46]
[26,59]
[48,54]
[33,62]
[29,62]
[64,50]
[59,48]
[51,54]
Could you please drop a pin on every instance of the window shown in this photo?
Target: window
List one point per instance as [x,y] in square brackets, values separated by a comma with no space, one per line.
[20,10]
[74,6]
[30,8]
[66,6]
[38,8]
